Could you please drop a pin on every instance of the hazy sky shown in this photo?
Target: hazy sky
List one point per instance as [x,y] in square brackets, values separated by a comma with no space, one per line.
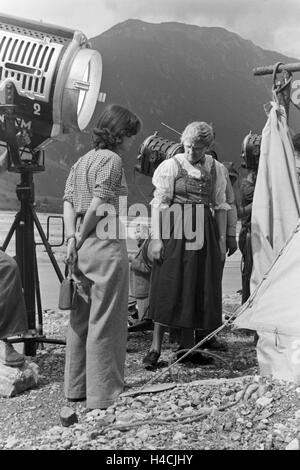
[271,24]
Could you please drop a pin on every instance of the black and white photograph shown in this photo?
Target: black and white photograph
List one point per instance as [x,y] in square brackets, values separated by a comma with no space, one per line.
[149,228]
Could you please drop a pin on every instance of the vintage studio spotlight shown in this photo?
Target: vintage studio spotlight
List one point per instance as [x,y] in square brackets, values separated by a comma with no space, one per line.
[154,150]
[251,151]
[49,85]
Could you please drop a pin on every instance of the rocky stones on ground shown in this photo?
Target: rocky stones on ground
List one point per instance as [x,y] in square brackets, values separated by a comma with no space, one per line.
[15,380]
[68,416]
[210,407]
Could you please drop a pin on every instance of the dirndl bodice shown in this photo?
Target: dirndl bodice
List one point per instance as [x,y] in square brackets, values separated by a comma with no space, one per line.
[189,189]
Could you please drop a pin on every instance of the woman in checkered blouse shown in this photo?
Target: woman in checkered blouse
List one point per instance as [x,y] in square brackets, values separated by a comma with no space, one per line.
[97,333]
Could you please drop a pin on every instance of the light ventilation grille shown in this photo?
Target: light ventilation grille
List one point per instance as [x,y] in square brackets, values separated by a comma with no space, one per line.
[29,63]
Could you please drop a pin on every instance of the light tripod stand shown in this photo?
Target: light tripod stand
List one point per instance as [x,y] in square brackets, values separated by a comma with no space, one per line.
[50,80]
[23,226]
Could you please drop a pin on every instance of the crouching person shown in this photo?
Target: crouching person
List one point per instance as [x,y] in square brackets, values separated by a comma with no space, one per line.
[13,320]
[140,274]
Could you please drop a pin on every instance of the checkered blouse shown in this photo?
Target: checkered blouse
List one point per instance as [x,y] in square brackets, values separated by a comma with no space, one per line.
[99,173]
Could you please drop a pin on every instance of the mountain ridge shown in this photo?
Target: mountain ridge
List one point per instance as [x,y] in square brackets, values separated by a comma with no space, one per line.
[175,73]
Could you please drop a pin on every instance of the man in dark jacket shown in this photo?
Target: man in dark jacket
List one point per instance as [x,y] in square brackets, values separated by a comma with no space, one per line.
[244,212]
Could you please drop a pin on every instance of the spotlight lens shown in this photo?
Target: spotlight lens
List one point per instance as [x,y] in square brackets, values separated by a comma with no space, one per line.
[82,89]
[82,93]
[89,88]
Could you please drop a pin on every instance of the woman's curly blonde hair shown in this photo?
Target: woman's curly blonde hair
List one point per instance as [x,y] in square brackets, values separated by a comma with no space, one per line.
[198,131]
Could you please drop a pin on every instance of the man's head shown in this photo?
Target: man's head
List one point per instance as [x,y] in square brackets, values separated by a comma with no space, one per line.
[141,232]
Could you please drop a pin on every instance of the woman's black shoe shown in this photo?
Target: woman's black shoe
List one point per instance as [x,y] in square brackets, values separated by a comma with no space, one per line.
[141,325]
[150,360]
[76,399]
[214,344]
[195,357]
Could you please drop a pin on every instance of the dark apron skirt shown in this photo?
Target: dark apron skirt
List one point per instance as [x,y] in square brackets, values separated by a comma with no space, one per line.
[186,287]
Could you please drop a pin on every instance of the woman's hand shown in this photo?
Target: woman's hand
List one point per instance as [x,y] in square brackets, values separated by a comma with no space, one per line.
[231,245]
[156,249]
[71,257]
[79,240]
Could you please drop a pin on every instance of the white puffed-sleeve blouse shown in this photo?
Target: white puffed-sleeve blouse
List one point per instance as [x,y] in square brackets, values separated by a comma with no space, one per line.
[165,175]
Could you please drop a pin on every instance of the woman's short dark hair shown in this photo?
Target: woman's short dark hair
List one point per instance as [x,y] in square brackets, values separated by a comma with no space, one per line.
[114,123]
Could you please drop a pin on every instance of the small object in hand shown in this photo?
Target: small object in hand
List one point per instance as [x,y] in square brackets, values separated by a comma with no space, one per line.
[68,294]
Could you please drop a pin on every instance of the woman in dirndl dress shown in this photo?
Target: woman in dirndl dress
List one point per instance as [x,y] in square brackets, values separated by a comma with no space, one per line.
[97,332]
[186,283]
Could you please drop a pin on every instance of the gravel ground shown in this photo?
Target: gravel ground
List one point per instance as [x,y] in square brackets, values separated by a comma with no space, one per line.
[225,405]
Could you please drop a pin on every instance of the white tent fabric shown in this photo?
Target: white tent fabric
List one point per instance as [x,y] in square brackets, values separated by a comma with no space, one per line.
[275,306]
[276,202]
[279,356]
[273,309]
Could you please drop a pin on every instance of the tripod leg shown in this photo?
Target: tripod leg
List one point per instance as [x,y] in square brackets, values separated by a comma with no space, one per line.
[23,226]
[11,232]
[25,257]
[47,246]
[37,282]
[17,227]
[38,298]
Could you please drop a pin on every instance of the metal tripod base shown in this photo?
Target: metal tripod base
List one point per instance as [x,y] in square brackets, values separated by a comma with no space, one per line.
[23,227]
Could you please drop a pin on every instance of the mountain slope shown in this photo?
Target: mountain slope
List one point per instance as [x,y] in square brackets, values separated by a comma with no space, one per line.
[177,73]
[174,73]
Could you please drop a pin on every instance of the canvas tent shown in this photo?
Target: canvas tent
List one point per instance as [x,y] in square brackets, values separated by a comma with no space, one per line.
[273,309]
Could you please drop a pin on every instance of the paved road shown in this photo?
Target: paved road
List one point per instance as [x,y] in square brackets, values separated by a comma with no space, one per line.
[50,284]
[48,279]
[232,274]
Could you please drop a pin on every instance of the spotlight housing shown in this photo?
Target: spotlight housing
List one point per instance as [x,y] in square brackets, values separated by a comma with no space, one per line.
[50,82]
[251,151]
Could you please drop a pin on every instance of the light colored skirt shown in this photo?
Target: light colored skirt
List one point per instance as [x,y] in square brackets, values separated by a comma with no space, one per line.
[97,333]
